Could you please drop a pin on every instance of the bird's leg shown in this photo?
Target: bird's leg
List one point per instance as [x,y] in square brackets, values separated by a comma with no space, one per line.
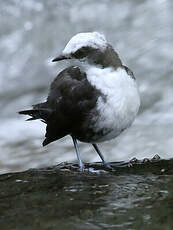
[81,165]
[106,164]
[101,156]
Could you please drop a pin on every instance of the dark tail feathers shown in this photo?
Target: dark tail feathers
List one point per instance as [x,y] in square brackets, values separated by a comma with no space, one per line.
[35,114]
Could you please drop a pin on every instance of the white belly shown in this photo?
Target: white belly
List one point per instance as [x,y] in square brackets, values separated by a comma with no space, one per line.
[118,109]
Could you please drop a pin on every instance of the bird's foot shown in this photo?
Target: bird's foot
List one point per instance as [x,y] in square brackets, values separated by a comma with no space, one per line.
[108,166]
[76,167]
[121,164]
[81,168]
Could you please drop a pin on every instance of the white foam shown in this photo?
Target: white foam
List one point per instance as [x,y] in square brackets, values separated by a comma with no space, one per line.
[91,39]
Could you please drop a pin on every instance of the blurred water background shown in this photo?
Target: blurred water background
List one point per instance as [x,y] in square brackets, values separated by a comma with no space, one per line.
[33,32]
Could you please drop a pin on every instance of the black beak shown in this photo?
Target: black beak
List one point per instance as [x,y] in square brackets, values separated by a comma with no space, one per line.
[60,58]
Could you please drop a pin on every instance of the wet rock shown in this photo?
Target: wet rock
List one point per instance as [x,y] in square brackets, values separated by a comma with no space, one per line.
[61,197]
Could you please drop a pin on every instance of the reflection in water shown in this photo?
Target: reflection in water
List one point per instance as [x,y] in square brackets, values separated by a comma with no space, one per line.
[32,32]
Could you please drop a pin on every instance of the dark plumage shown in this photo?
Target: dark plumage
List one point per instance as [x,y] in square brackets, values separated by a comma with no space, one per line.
[70,103]
[93,101]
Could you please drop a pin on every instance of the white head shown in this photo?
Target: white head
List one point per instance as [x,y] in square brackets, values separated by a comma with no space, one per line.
[91,47]
[92,39]
[83,42]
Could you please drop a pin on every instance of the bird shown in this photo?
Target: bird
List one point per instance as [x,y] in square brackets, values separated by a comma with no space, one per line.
[94,99]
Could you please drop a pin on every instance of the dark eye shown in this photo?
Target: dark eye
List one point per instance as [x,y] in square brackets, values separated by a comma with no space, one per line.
[81,53]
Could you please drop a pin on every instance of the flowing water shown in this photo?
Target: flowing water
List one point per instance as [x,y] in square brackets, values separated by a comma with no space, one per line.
[33,32]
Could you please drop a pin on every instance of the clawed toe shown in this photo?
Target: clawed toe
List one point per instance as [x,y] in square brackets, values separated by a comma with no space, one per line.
[108,166]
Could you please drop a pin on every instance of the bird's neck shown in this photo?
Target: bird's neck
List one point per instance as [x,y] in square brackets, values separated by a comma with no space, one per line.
[107,58]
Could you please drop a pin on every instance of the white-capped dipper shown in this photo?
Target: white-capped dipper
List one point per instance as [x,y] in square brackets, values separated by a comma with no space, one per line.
[93,100]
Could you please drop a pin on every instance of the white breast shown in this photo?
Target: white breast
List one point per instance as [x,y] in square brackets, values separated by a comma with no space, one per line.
[120,106]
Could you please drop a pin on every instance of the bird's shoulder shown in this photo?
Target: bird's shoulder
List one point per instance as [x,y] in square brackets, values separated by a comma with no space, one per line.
[70,75]
[66,81]
[71,91]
